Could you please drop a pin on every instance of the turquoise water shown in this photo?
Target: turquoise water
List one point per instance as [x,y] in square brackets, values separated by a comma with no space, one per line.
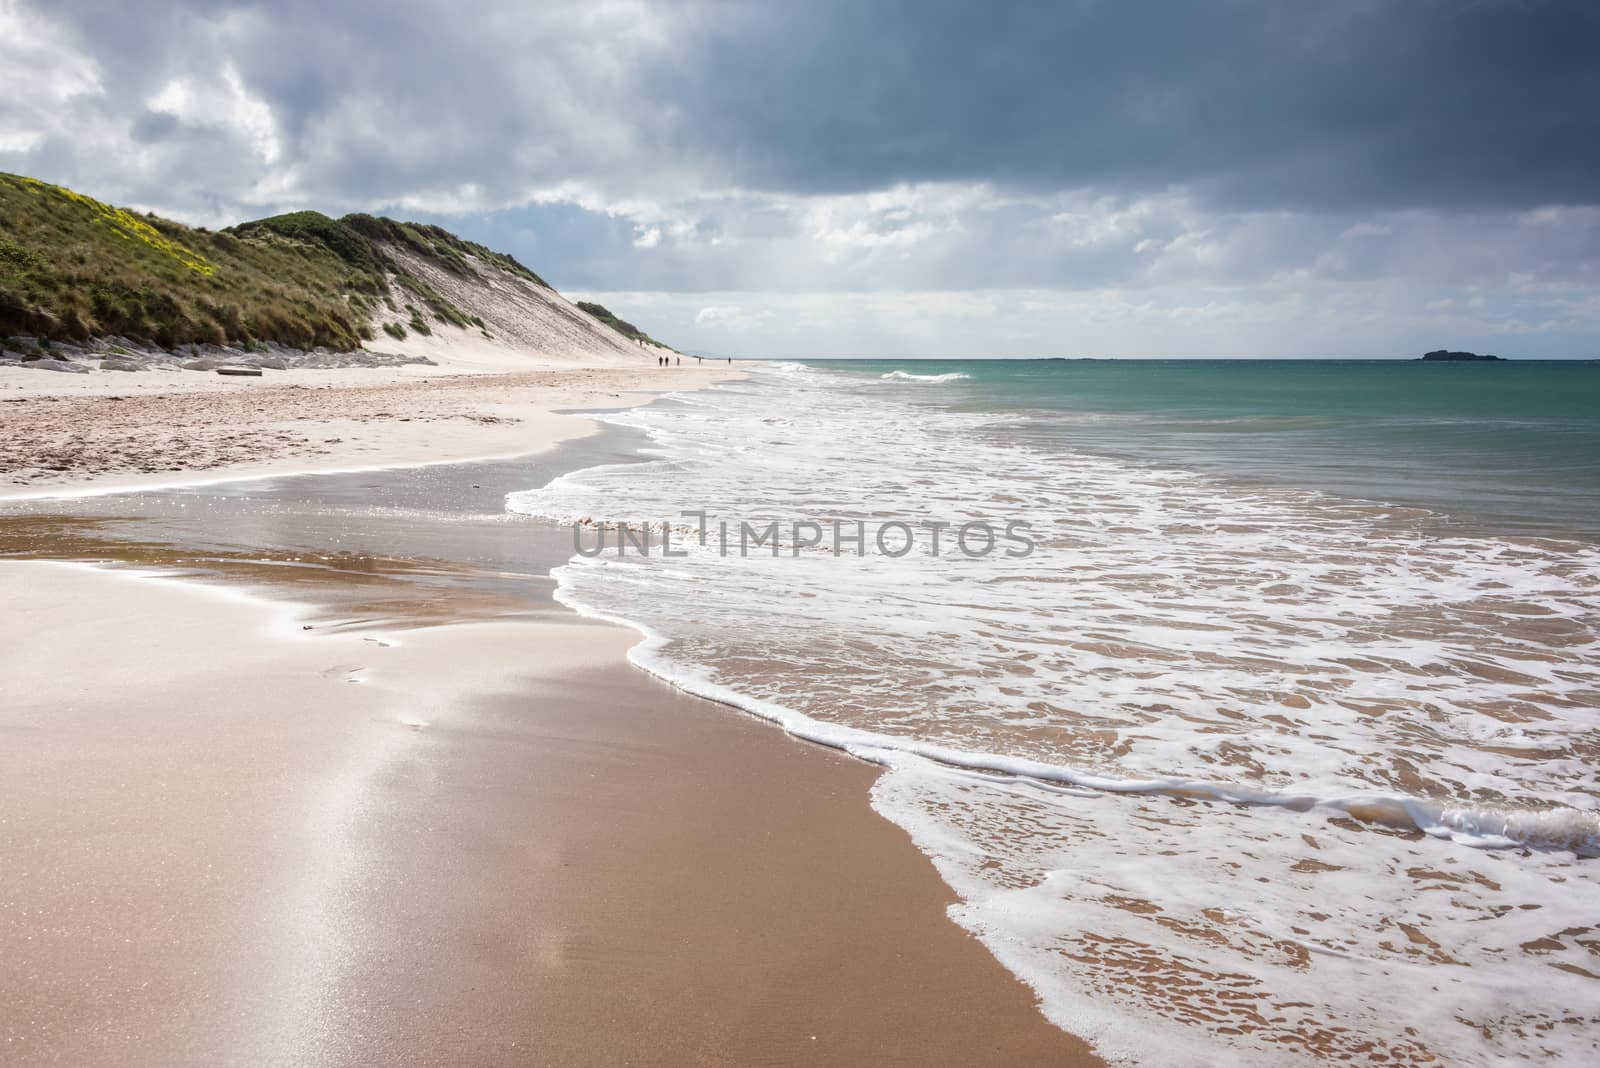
[1507,448]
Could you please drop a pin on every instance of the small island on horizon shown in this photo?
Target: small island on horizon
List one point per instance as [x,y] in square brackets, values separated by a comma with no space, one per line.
[1459,357]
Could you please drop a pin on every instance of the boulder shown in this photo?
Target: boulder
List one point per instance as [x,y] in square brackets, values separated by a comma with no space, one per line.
[120,363]
[57,365]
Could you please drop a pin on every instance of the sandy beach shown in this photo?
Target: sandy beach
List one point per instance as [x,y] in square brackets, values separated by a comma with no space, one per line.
[112,432]
[249,823]
[766,534]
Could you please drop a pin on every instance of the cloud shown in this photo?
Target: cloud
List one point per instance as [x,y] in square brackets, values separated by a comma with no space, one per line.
[1347,105]
[226,105]
[1239,148]
[41,80]
[732,317]
[717,313]
[1353,319]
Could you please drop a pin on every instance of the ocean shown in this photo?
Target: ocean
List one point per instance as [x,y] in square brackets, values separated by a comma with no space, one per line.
[1250,708]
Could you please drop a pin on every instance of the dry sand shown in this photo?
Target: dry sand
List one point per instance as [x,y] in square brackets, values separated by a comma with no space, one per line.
[110,431]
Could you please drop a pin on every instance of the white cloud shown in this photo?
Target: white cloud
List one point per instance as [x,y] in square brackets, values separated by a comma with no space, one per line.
[19,140]
[41,73]
[731,317]
[224,103]
[715,314]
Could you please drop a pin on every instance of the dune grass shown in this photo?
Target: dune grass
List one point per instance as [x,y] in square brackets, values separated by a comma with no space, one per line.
[621,326]
[72,268]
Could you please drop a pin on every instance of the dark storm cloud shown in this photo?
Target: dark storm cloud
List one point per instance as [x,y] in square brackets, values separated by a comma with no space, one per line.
[1246,104]
[1267,170]
[1432,103]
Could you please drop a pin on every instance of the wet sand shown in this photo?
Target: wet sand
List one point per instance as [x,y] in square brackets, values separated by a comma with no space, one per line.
[387,840]
[658,882]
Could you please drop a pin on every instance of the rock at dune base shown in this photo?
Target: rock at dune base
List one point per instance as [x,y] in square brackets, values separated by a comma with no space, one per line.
[120,363]
[56,365]
[252,372]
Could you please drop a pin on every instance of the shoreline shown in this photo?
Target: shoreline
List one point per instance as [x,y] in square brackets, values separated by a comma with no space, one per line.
[1306,685]
[826,918]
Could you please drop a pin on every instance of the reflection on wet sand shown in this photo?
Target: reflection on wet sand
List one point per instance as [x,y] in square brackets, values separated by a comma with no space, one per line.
[398,548]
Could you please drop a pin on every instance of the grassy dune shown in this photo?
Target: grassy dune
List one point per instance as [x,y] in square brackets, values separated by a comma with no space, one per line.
[73,268]
[621,326]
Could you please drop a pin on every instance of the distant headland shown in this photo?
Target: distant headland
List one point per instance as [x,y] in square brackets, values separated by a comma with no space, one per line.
[1458,357]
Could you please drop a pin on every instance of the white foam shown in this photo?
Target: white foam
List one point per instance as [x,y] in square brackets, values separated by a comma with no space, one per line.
[907,376]
[1181,685]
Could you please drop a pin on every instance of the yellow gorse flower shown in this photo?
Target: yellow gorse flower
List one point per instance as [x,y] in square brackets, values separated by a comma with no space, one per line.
[131,227]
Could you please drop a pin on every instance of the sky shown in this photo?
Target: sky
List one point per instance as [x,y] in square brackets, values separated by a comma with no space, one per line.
[861,177]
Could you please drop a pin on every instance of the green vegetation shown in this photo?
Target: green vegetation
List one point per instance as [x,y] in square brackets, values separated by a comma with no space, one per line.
[72,268]
[418,323]
[395,330]
[315,228]
[359,241]
[438,244]
[621,326]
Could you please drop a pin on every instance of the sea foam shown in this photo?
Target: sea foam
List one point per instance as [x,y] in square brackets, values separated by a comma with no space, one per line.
[1222,772]
[907,376]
